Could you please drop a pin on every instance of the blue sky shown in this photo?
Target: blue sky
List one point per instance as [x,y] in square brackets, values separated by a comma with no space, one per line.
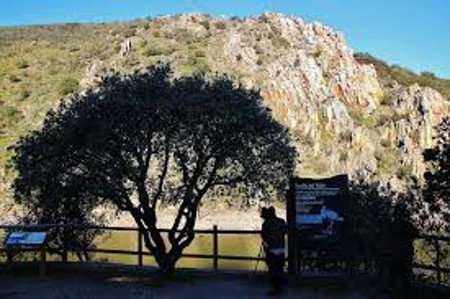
[413,33]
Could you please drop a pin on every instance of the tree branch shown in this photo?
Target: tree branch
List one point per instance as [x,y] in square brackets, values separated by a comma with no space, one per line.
[162,177]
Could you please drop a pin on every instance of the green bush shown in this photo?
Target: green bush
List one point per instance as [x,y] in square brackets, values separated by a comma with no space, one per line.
[361,119]
[388,160]
[264,18]
[199,53]
[280,42]
[202,66]
[428,74]
[23,93]
[347,136]
[74,48]
[13,78]
[316,53]
[22,64]
[181,35]
[385,142]
[195,66]
[67,85]
[129,32]
[158,49]
[221,25]
[320,166]
[205,23]
[383,118]
[343,156]
[9,115]
[143,43]
[400,115]
[404,171]
[326,138]
[387,99]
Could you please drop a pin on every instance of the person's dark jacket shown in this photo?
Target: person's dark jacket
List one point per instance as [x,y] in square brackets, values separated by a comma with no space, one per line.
[273,232]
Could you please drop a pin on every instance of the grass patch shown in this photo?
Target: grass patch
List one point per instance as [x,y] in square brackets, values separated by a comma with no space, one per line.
[195,66]
[388,159]
[326,138]
[362,120]
[67,85]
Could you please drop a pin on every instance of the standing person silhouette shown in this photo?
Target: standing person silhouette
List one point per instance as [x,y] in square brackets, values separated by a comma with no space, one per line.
[272,234]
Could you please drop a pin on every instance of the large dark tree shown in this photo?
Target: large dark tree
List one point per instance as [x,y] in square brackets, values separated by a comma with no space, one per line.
[141,140]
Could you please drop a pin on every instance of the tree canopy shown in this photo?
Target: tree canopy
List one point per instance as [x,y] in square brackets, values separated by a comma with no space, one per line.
[437,185]
[141,140]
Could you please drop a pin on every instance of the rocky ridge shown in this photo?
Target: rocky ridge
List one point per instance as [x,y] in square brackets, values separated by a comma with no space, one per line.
[343,118]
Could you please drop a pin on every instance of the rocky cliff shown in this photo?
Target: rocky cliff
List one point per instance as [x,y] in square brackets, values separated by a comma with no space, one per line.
[343,115]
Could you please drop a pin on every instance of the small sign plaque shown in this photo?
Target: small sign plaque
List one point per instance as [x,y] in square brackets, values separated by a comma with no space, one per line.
[26,238]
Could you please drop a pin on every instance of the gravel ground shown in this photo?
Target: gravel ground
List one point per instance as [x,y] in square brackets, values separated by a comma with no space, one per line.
[116,284]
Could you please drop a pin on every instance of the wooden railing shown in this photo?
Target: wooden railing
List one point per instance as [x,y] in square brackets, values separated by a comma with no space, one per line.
[436,241]
[140,252]
[437,267]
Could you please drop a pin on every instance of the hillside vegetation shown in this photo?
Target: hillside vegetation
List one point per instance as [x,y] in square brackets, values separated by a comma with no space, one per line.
[405,76]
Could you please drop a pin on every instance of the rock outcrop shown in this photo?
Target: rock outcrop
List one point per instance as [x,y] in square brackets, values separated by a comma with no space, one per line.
[342,116]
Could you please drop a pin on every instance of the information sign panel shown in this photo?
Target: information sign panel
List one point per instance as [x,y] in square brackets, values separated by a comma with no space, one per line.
[26,238]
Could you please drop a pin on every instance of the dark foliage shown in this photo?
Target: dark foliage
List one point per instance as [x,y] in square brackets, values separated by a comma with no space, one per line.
[437,187]
[380,241]
[145,139]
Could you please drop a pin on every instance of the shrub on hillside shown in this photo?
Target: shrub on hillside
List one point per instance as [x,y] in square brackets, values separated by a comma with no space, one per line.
[67,85]
[23,93]
[22,64]
[13,78]
[9,115]
[205,23]
[221,25]
[158,49]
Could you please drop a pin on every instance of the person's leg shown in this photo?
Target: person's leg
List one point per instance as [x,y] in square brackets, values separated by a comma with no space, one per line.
[271,265]
[278,273]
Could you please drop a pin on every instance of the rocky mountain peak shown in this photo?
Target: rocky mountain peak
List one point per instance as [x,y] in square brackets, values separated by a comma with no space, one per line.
[344,113]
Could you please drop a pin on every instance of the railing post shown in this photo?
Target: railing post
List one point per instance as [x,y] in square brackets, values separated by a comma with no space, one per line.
[215,249]
[437,262]
[140,256]
[43,261]
[64,244]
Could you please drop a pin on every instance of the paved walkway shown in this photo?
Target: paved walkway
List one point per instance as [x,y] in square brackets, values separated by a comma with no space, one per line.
[75,283]
[65,287]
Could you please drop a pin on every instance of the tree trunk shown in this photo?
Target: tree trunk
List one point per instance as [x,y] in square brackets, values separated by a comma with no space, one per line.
[167,263]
